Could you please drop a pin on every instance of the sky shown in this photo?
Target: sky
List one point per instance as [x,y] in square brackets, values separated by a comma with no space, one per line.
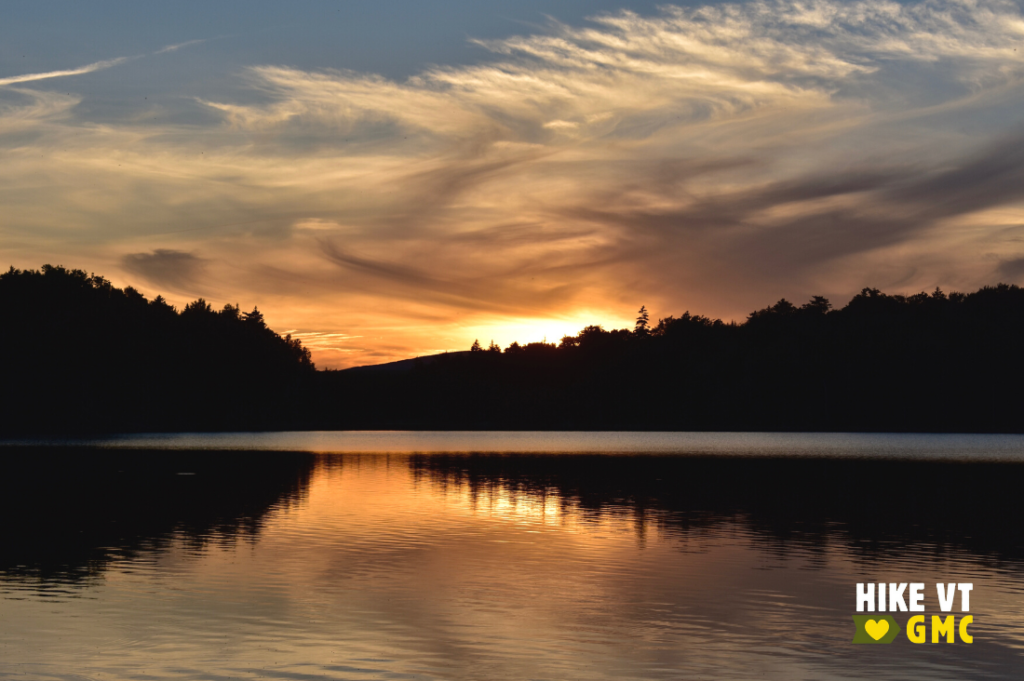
[398,178]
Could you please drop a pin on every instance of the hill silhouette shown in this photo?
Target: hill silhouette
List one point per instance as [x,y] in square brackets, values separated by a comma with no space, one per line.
[926,362]
[80,355]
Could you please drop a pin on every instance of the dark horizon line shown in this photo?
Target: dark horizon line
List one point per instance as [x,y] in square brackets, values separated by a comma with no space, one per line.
[816,303]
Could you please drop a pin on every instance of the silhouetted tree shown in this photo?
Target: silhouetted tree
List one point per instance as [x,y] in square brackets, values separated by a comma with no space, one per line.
[230,311]
[817,305]
[197,307]
[254,319]
[569,342]
[643,321]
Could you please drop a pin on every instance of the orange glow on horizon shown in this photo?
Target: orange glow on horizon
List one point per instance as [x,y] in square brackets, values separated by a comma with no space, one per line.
[687,160]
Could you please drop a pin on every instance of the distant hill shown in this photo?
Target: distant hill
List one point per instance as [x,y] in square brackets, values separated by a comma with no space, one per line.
[926,362]
[404,365]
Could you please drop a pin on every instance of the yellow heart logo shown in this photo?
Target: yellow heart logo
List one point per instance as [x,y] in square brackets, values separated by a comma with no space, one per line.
[876,629]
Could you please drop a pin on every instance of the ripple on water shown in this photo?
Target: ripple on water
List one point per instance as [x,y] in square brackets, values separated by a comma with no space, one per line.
[499,568]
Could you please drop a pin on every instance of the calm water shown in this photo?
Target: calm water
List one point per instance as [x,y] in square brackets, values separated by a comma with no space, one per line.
[502,556]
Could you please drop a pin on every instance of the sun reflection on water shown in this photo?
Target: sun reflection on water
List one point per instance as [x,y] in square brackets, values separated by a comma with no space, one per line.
[496,567]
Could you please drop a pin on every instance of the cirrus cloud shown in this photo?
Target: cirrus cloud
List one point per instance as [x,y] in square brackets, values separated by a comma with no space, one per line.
[710,159]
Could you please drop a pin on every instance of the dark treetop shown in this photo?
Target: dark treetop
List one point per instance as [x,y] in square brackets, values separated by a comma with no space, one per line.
[80,355]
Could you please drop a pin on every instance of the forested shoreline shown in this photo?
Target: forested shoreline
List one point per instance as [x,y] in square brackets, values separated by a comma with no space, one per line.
[79,355]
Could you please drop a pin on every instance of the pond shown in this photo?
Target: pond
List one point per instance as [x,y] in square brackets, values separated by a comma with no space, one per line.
[503,555]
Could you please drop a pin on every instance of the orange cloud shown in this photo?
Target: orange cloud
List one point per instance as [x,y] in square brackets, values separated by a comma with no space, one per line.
[711,159]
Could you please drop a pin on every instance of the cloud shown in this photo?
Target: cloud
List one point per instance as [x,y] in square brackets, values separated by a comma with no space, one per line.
[712,159]
[166,268]
[178,46]
[1012,270]
[88,68]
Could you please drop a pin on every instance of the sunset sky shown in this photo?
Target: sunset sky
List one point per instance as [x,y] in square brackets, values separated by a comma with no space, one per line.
[397,178]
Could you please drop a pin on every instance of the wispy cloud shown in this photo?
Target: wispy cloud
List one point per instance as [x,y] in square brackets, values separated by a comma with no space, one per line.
[178,46]
[709,159]
[88,68]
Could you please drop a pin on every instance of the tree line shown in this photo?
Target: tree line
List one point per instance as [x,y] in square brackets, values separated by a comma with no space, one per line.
[78,354]
[925,362]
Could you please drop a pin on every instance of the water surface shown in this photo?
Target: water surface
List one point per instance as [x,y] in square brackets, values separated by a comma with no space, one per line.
[864,445]
[491,556]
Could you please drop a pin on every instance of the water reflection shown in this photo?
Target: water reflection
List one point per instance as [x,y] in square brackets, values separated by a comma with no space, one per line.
[877,508]
[484,566]
[67,513]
